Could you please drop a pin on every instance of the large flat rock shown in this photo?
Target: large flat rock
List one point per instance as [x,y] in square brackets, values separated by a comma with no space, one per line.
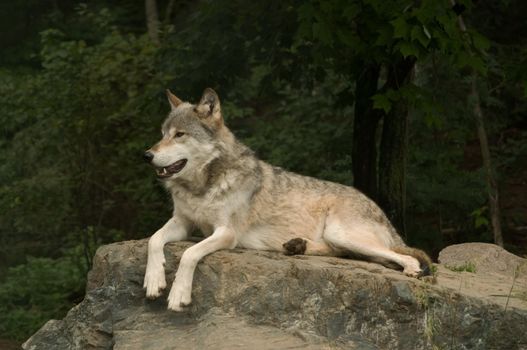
[262,300]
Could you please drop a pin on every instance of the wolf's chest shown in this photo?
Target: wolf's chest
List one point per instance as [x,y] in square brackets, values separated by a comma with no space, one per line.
[220,205]
[208,212]
[199,210]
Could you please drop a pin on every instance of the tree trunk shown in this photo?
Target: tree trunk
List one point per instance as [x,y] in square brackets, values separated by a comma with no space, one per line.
[392,165]
[492,187]
[152,20]
[168,11]
[366,121]
[393,150]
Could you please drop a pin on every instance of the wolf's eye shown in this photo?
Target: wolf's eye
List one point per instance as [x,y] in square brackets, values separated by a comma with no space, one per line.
[179,134]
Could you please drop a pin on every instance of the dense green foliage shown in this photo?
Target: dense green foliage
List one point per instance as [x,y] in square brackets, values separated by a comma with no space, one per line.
[36,291]
[82,96]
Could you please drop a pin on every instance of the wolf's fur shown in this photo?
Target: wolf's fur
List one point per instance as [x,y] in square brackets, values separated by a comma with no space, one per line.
[237,200]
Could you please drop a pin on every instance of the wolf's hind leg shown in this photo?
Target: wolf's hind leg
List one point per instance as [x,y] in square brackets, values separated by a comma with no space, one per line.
[174,230]
[365,240]
[300,246]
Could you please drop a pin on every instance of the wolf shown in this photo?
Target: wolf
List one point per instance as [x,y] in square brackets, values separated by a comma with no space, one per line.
[218,186]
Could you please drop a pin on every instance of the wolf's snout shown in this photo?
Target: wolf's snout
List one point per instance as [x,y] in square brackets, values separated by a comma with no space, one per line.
[148,156]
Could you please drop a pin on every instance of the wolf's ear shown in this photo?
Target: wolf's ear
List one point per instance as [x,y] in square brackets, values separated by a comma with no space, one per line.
[208,108]
[173,100]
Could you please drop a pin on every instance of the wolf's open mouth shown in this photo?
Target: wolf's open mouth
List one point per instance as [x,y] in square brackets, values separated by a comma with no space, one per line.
[172,169]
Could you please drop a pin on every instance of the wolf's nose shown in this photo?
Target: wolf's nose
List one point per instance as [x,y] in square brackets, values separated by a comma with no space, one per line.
[148,156]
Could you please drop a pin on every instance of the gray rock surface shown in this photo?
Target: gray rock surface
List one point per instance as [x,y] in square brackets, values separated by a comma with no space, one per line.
[246,299]
[486,258]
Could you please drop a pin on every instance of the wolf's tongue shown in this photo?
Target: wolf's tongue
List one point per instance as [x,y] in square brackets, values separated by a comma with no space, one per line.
[172,167]
[177,166]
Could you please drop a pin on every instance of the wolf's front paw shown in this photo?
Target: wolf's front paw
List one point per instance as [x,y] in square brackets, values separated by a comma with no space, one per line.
[179,296]
[154,282]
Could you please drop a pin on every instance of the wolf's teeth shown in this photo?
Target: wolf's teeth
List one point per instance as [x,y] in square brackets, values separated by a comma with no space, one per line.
[164,170]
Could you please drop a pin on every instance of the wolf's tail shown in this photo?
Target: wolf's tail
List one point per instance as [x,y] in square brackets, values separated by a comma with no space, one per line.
[425,263]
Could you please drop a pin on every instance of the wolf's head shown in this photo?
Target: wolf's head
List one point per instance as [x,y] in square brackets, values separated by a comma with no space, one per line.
[191,137]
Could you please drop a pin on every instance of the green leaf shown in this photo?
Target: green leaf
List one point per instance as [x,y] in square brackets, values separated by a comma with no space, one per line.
[419,35]
[304,30]
[433,121]
[385,35]
[401,29]
[321,32]
[481,221]
[347,37]
[381,101]
[351,11]
[480,42]
[408,49]
[465,59]
[306,12]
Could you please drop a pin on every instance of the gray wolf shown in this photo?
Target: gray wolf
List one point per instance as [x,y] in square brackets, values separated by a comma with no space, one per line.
[218,186]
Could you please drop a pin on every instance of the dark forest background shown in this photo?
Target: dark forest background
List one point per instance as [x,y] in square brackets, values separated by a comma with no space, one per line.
[422,110]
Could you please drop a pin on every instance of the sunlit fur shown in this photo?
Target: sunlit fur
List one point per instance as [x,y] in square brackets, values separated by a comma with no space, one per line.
[237,200]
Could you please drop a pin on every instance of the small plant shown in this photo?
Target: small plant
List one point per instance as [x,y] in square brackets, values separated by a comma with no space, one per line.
[520,295]
[468,266]
[431,321]
[423,296]
[432,278]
